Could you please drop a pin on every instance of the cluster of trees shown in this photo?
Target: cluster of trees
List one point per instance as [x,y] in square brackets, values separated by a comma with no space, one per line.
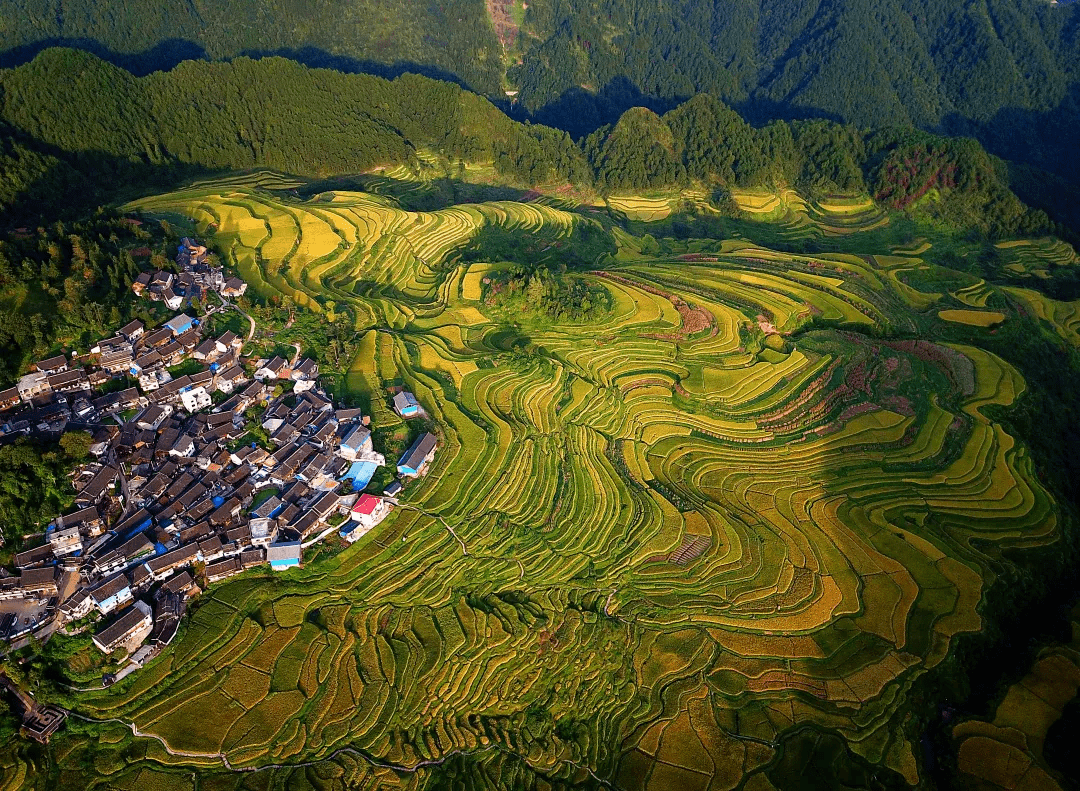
[34,486]
[975,185]
[558,296]
[542,247]
[67,280]
[706,141]
[32,176]
[104,126]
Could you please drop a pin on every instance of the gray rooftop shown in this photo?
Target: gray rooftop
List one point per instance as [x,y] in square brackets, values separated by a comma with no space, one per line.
[288,550]
[415,455]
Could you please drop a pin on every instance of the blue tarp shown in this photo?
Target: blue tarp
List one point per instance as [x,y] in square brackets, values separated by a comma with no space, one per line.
[132,532]
[360,472]
[217,501]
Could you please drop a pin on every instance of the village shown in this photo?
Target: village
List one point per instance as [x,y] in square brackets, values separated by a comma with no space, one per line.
[177,492]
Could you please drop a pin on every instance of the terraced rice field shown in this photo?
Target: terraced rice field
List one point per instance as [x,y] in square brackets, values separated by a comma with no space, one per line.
[639,208]
[841,215]
[668,547]
[1035,257]
[1063,317]
[838,215]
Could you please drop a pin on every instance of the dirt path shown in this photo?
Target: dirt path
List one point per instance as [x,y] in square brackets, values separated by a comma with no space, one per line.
[464,548]
[441,521]
[251,325]
[607,602]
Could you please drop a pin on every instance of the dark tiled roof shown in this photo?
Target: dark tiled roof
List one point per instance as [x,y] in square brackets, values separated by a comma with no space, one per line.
[36,579]
[420,449]
[120,627]
[109,588]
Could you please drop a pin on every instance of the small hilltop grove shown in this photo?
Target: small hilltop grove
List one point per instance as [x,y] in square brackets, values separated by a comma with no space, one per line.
[195,477]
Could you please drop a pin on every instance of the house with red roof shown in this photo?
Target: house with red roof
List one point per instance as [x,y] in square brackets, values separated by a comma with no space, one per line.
[367,512]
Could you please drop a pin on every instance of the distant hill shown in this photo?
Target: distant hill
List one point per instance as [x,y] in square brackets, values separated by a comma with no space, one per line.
[440,39]
[77,128]
[1004,71]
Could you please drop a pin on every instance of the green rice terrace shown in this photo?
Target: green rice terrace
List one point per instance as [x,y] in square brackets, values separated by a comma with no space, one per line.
[696,501]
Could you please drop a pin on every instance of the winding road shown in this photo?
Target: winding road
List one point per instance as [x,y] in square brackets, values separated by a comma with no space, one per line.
[251,324]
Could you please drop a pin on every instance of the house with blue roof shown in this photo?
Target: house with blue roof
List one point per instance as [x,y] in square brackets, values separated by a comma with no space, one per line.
[360,473]
[180,323]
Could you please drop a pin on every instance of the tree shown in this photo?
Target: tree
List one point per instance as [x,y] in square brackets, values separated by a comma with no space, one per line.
[76,444]
[536,291]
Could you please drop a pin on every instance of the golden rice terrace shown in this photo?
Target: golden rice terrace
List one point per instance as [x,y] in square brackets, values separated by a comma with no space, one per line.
[746,498]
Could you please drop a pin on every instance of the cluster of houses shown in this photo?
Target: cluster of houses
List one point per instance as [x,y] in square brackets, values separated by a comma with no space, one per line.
[183,488]
[196,277]
[60,391]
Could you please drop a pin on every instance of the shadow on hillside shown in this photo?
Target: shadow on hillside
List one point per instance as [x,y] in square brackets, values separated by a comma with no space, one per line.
[171,52]
[438,193]
[161,57]
[580,112]
[684,224]
[315,58]
[72,185]
[1045,139]
[1044,161]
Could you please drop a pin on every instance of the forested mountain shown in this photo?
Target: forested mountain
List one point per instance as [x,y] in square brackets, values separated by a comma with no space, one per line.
[80,129]
[370,35]
[1004,71]
[71,118]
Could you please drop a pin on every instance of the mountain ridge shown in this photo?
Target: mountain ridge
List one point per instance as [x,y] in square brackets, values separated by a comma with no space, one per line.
[1002,71]
[114,129]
